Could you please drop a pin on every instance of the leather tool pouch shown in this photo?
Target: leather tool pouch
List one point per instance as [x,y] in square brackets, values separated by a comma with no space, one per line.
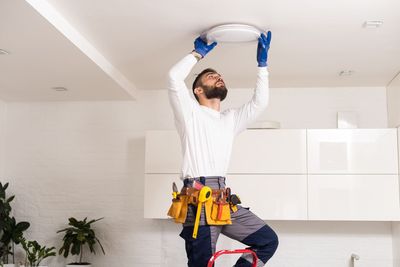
[217,210]
[178,209]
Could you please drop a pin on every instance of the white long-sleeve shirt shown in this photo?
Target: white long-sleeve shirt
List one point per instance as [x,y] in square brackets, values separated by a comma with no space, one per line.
[206,134]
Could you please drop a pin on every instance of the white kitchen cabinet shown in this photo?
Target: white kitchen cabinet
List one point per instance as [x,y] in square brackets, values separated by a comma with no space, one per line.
[269,151]
[329,174]
[352,151]
[353,197]
[163,152]
[254,151]
[158,194]
[272,197]
[398,148]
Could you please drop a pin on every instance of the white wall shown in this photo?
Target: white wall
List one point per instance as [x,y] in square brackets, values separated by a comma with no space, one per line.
[396,243]
[318,107]
[393,102]
[2,132]
[82,159]
[87,159]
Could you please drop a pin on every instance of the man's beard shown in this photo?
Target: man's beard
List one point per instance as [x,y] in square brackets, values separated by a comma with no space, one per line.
[213,91]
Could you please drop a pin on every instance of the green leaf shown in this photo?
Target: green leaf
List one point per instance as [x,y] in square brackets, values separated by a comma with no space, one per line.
[79,235]
[72,221]
[76,249]
[101,246]
[35,253]
[22,226]
[10,199]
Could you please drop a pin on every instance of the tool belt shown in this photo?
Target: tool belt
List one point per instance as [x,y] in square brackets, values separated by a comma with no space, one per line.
[217,208]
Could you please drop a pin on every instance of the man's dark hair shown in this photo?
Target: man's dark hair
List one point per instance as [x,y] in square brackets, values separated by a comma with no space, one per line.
[197,81]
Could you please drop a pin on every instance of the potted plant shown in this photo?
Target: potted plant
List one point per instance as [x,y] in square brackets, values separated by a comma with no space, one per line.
[35,253]
[11,231]
[3,252]
[76,237]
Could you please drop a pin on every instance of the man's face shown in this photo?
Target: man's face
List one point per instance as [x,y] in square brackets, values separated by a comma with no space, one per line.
[214,86]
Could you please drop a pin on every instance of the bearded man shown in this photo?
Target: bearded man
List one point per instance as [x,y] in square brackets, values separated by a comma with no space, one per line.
[207,135]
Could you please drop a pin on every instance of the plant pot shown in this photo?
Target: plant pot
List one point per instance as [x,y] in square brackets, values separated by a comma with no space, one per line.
[77,265]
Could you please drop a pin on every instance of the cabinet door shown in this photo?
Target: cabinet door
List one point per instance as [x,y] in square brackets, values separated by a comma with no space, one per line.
[278,197]
[163,152]
[353,197]
[158,194]
[269,151]
[272,197]
[352,151]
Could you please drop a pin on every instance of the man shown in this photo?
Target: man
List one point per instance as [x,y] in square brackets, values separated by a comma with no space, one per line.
[207,135]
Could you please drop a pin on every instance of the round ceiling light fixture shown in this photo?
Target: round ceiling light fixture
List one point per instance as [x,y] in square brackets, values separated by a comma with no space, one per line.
[232,33]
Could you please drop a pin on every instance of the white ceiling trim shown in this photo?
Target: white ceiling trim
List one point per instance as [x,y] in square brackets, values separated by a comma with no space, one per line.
[63,26]
[394,78]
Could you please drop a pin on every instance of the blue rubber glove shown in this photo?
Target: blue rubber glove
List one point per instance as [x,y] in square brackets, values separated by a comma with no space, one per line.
[202,47]
[262,49]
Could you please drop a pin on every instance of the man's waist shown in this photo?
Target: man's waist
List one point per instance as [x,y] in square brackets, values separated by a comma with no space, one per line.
[211,181]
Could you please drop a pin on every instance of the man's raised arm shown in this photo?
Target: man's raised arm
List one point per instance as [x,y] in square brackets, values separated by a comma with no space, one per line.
[180,100]
[247,113]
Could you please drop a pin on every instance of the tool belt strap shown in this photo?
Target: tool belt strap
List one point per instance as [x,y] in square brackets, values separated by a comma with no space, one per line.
[193,193]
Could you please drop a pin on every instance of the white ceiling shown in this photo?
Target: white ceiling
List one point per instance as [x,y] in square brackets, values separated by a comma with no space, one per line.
[42,58]
[106,50]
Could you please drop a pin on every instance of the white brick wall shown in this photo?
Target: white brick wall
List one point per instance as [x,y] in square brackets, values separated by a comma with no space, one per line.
[2,132]
[87,159]
[396,243]
[82,159]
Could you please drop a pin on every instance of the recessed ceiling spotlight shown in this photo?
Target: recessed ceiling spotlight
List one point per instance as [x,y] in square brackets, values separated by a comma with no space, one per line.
[4,52]
[373,24]
[232,33]
[59,88]
[346,72]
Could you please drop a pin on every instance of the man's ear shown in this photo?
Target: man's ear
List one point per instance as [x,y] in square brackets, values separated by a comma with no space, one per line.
[198,90]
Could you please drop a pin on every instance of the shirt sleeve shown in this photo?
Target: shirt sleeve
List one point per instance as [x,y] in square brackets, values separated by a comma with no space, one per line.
[181,102]
[247,113]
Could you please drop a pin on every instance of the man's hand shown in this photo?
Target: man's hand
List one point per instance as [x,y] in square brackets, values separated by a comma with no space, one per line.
[202,48]
[262,49]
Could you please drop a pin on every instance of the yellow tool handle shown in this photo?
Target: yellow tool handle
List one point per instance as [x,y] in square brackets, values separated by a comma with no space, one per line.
[234,208]
[204,195]
[197,221]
